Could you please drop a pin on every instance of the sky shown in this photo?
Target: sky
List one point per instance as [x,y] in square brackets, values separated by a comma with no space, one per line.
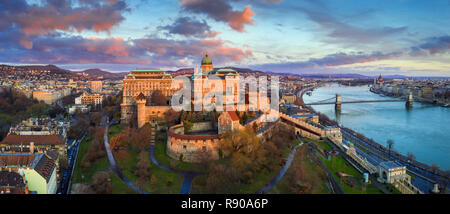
[404,37]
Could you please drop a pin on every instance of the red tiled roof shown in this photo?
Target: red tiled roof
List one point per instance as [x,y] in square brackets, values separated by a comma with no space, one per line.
[36,139]
[12,179]
[12,182]
[233,115]
[21,160]
[45,167]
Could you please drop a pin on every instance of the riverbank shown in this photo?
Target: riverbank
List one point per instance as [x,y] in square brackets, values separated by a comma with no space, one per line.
[416,99]
[390,121]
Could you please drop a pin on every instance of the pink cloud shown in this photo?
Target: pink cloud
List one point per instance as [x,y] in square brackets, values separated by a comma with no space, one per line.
[238,19]
[221,10]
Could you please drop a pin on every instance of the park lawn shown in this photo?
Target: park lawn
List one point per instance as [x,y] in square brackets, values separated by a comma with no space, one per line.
[308,140]
[129,166]
[311,174]
[296,142]
[82,150]
[162,185]
[162,176]
[8,118]
[119,187]
[260,180]
[101,164]
[164,159]
[324,145]
[198,184]
[339,164]
[114,130]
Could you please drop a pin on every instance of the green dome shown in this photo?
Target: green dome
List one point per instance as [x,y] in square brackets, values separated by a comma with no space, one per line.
[206,60]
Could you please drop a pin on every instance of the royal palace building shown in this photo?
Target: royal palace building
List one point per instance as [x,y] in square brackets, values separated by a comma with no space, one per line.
[139,85]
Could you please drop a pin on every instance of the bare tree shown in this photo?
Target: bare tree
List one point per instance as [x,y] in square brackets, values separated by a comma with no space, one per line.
[102,183]
[96,118]
[411,156]
[390,145]
[158,98]
[82,189]
[435,168]
[142,170]
[171,116]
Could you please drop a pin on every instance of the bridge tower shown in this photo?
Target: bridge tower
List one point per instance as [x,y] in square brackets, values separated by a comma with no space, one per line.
[338,104]
[409,101]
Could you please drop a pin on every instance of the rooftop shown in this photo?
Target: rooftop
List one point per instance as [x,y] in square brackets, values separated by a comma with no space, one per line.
[36,139]
[148,70]
[390,165]
[12,182]
[39,162]
[233,115]
[19,159]
[303,115]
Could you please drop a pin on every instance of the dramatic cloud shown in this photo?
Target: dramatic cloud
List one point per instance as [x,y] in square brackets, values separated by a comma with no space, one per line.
[52,15]
[170,49]
[328,61]
[432,46]
[221,10]
[189,27]
[154,51]
[342,32]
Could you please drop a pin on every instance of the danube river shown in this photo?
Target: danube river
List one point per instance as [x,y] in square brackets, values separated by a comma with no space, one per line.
[424,130]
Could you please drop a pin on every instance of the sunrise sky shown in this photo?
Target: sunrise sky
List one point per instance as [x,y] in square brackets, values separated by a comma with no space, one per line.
[403,37]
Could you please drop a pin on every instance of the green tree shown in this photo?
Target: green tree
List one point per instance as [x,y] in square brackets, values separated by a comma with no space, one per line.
[187,125]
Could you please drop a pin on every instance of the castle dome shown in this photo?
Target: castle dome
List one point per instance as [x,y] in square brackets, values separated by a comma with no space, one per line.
[206,60]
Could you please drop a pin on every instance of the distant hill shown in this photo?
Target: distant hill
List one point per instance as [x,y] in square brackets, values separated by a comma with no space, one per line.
[97,73]
[101,74]
[30,70]
[26,68]
[323,75]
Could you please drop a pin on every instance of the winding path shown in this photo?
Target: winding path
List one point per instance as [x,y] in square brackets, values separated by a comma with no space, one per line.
[114,167]
[280,173]
[188,176]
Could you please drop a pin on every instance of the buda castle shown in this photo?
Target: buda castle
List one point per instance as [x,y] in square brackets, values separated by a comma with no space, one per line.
[139,85]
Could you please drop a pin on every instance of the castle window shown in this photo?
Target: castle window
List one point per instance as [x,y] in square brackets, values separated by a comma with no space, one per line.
[204,148]
[184,146]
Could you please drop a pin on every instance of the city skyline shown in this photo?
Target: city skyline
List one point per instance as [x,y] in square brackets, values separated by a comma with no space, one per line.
[408,38]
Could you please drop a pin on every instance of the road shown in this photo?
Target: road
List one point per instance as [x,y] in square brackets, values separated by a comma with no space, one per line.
[113,164]
[280,173]
[423,180]
[336,188]
[71,158]
[188,176]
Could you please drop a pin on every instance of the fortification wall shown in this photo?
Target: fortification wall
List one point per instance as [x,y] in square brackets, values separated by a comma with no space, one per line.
[192,148]
[201,126]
